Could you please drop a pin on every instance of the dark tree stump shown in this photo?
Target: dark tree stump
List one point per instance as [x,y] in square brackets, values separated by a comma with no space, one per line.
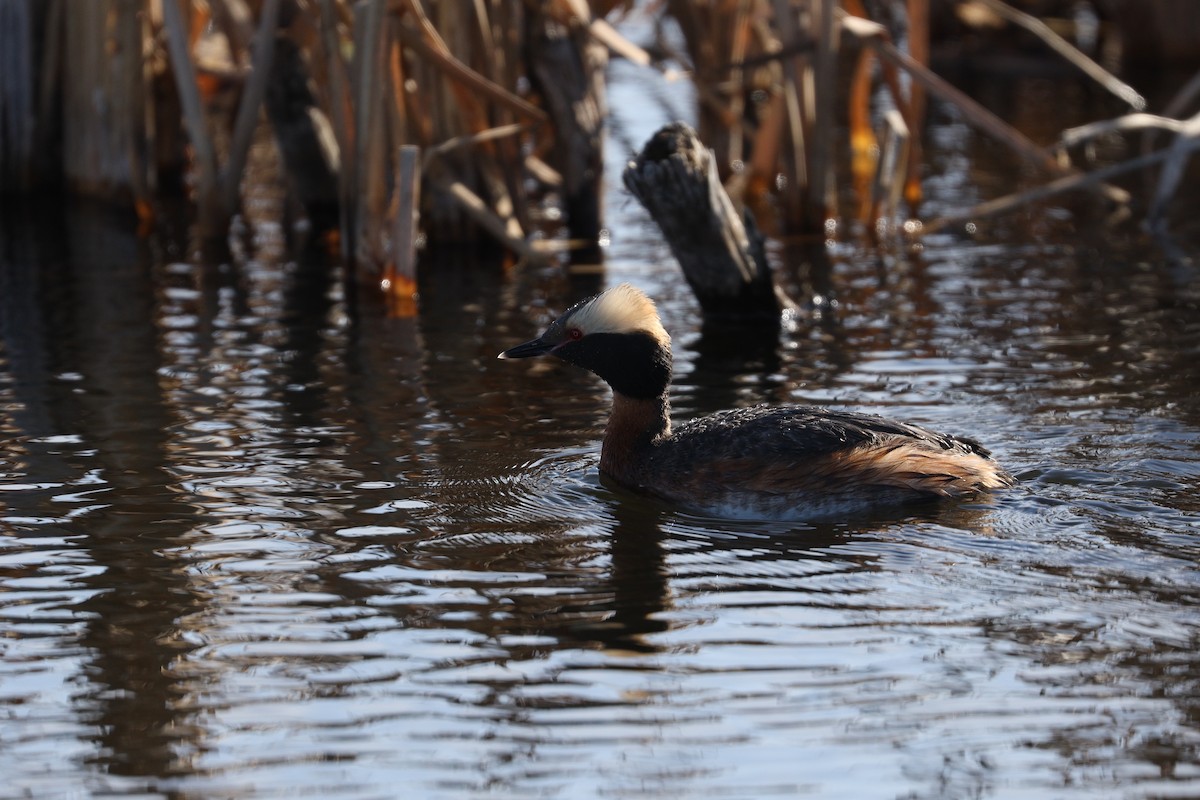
[720,251]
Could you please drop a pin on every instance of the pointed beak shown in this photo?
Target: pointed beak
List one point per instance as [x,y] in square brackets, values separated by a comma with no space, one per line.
[537,347]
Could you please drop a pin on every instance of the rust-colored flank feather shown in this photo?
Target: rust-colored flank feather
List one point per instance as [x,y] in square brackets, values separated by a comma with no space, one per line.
[782,462]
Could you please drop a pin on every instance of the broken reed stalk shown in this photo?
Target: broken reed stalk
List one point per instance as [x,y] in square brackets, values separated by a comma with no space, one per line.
[365,100]
[1174,158]
[821,125]
[864,144]
[430,43]
[458,99]
[1073,137]
[184,69]
[452,85]
[337,101]
[1068,51]
[470,140]
[913,106]
[1183,97]
[441,79]
[1179,103]
[1177,157]
[892,169]
[567,67]
[230,178]
[421,73]
[1085,180]
[710,34]
[611,38]
[335,71]
[794,119]
[400,279]
[219,189]
[478,210]
[909,102]
[876,37]
[788,140]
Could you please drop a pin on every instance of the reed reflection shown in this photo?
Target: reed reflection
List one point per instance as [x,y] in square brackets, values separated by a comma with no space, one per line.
[635,594]
[93,317]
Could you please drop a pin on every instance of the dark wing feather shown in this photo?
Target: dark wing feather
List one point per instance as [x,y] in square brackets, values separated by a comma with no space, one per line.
[807,453]
[799,433]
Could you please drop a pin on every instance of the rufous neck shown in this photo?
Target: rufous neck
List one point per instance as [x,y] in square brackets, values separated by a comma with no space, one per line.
[633,427]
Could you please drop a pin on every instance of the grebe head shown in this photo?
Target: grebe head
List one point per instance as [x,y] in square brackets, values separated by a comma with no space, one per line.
[617,335]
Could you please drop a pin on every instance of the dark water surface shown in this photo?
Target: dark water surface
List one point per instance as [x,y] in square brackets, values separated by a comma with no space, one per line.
[256,543]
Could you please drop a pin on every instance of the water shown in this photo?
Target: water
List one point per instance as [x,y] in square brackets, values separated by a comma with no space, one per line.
[256,543]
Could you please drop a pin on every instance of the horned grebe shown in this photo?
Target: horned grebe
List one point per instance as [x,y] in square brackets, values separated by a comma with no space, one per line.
[796,461]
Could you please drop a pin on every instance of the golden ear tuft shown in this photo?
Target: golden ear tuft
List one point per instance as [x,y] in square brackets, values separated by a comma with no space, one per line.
[622,309]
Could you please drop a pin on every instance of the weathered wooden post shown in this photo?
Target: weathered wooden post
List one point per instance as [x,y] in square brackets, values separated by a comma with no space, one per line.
[718,248]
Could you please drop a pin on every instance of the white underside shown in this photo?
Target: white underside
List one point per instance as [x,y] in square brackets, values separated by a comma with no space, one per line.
[807,506]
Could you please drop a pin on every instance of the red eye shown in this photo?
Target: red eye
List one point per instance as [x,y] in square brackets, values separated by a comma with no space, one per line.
[575,334]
